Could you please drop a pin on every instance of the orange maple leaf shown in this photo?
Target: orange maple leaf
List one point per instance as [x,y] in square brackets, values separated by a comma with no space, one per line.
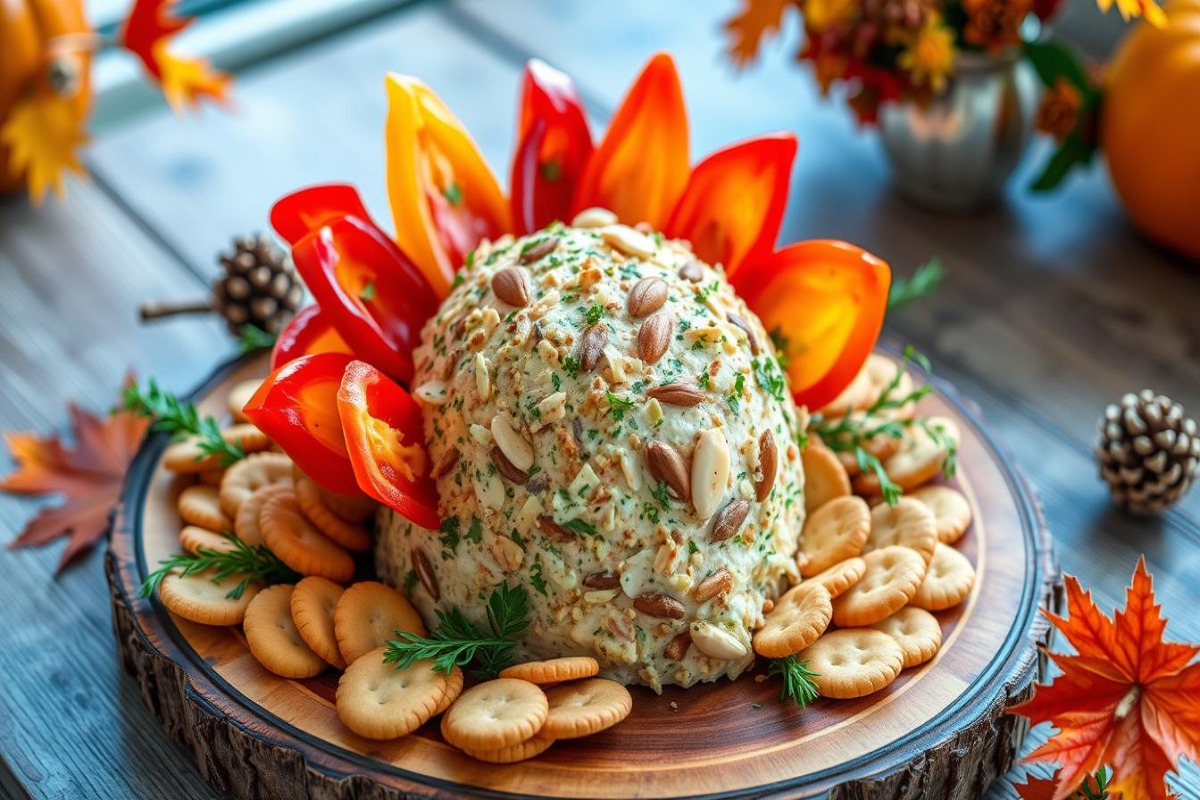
[747,29]
[1127,698]
[89,475]
[147,33]
[44,133]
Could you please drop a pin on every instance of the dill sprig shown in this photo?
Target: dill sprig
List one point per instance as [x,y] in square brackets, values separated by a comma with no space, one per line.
[254,338]
[851,432]
[456,642]
[923,282]
[255,563]
[797,680]
[181,419]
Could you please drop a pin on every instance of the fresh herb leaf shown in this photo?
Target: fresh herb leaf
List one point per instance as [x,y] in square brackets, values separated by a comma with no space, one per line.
[660,494]
[454,194]
[797,678]
[254,338]
[368,293]
[579,526]
[179,419]
[551,171]
[535,576]
[593,314]
[618,405]
[922,283]
[410,581]
[782,345]
[251,563]
[571,366]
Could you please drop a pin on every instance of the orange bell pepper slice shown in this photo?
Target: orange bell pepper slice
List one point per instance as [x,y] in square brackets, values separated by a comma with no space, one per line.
[733,205]
[443,194]
[310,331]
[640,169]
[823,303]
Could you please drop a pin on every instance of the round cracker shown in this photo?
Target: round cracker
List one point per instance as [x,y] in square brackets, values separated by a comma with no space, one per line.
[454,687]
[211,477]
[857,394]
[184,457]
[240,394]
[353,508]
[193,539]
[354,538]
[834,532]
[853,662]
[553,670]
[313,603]
[297,543]
[585,707]
[370,613]
[253,472]
[824,477]
[378,701]
[841,576]
[950,508]
[245,524]
[948,581]
[889,582]
[518,752]
[495,715]
[197,597]
[248,437]
[918,461]
[200,505]
[273,638]
[908,523]
[916,631]
[800,615]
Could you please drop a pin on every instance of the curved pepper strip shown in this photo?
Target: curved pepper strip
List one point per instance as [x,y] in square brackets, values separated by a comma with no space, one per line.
[733,205]
[304,210]
[553,146]
[640,169]
[374,296]
[444,196]
[297,407]
[385,438]
[310,331]
[823,303]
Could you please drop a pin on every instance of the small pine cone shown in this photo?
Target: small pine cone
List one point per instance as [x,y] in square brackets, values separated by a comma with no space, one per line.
[1148,452]
[259,286]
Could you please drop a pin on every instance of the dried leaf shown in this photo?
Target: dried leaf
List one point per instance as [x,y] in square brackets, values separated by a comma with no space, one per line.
[45,132]
[756,20]
[1127,698]
[184,81]
[89,475]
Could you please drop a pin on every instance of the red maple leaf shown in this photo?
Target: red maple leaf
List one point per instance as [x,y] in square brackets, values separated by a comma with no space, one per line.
[757,20]
[1127,698]
[147,33]
[89,476]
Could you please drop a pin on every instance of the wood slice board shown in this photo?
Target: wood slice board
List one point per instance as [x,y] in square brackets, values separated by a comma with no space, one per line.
[939,731]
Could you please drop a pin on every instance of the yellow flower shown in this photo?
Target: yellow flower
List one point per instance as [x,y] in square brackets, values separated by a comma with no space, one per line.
[1131,9]
[821,15]
[929,57]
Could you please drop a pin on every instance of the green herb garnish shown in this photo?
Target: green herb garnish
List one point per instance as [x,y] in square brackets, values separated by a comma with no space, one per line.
[253,338]
[922,283]
[797,680]
[618,405]
[180,419]
[255,563]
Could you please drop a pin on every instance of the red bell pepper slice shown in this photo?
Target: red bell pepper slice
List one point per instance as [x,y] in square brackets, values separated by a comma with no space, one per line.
[374,296]
[823,302]
[304,210]
[297,407]
[386,441]
[641,167]
[733,204]
[553,146]
[310,331]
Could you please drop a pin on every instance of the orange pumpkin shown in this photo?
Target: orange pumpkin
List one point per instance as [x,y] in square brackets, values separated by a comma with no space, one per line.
[27,28]
[1150,127]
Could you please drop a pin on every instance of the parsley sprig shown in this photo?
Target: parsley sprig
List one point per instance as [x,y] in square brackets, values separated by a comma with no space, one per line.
[457,642]
[253,338]
[255,563]
[181,419]
[852,432]
[923,282]
[797,680]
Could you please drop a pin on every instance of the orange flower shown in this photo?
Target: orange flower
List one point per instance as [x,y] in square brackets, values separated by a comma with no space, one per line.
[1059,109]
[1132,9]
[929,56]
[995,24]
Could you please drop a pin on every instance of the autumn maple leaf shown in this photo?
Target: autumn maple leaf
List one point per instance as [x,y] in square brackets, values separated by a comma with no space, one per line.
[757,20]
[184,81]
[89,476]
[1126,698]
[44,133]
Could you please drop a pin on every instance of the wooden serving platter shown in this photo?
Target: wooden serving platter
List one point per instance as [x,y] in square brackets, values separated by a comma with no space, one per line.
[939,731]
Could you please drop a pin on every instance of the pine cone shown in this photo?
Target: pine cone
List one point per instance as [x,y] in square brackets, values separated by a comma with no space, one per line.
[259,286]
[1148,452]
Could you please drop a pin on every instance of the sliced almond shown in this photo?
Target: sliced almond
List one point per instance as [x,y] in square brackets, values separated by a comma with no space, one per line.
[629,241]
[425,574]
[745,328]
[594,218]
[518,451]
[710,472]
[591,346]
[768,462]
[445,463]
[508,553]
[654,337]
[730,520]
[602,580]
[506,467]
[432,393]
[716,642]
[647,296]
[511,286]
[667,466]
[720,582]
[677,394]
[539,250]
[657,604]
[677,648]
[483,377]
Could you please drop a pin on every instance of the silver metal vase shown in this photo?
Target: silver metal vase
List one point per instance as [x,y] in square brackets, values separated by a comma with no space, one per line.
[956,152]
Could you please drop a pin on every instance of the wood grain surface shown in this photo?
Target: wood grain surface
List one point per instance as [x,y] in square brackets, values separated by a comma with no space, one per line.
[1053,307]
[941,726]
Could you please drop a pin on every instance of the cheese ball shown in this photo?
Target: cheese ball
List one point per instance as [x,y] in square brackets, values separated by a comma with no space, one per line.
[609,429]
